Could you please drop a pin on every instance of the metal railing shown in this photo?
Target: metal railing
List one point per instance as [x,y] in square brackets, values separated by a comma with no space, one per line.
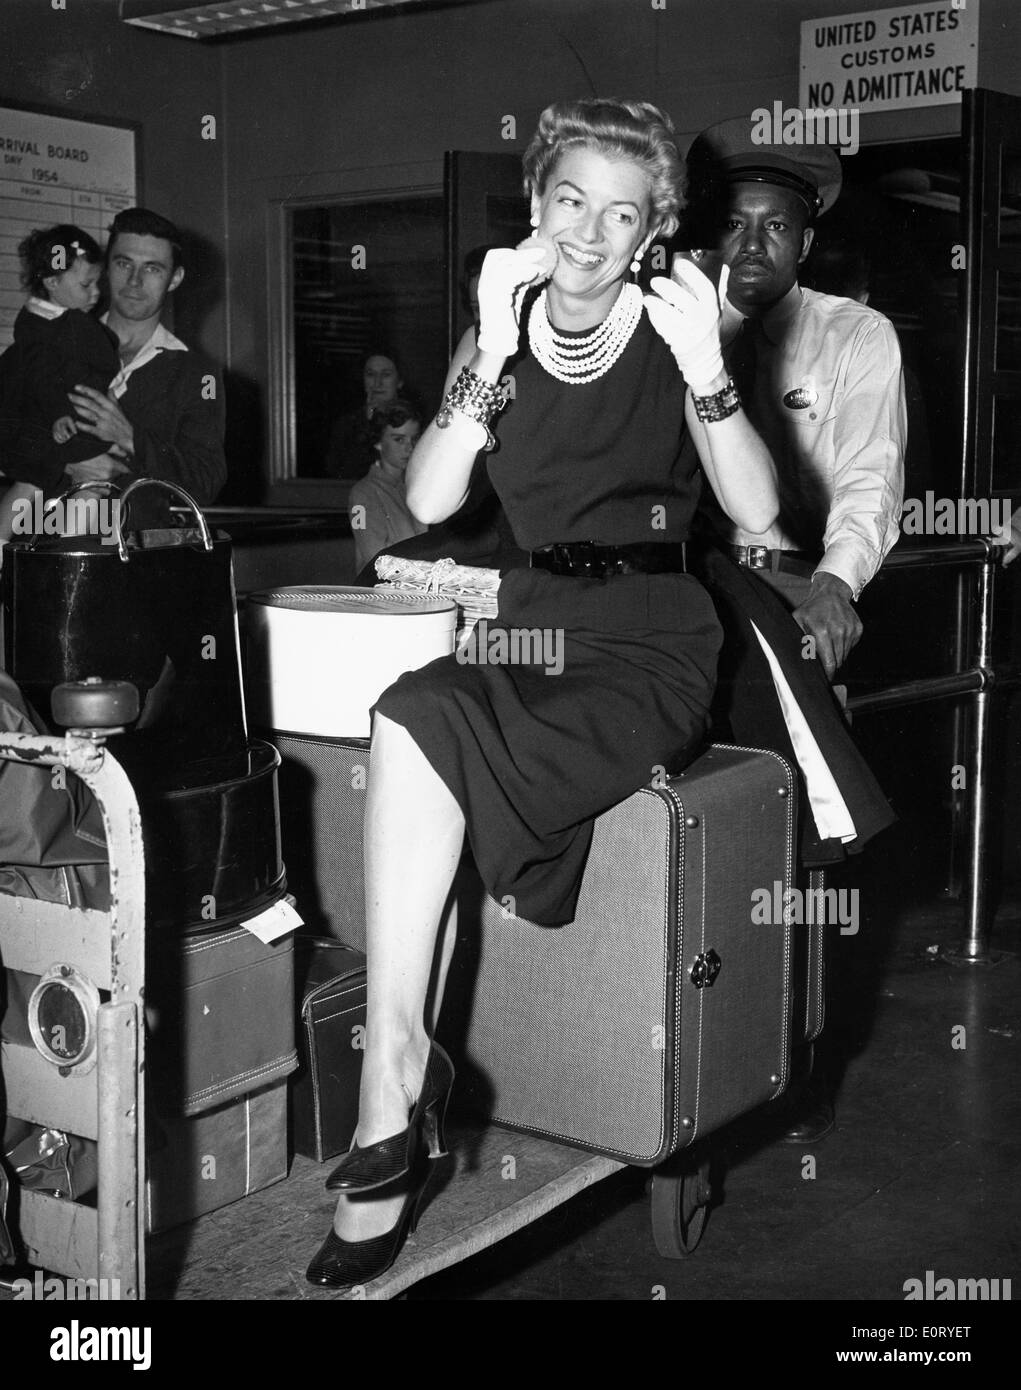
[976,677]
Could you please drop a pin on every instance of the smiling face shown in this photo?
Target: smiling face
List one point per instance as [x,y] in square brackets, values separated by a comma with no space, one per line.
[764,239]
[77,287]
[597,212]
[141,274]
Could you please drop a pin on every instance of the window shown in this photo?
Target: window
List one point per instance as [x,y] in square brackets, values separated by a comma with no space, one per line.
[367,277]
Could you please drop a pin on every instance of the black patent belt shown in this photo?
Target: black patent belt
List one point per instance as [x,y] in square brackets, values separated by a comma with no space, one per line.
[760,557]
[587,560]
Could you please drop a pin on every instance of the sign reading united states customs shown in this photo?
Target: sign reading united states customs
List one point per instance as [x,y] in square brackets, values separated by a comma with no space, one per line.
[887,60]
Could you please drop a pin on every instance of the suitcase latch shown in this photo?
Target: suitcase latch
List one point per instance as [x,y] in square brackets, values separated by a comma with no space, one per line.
[706,968]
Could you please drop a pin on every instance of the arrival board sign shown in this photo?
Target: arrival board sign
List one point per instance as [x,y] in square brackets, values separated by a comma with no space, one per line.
[52,170]
[886,60]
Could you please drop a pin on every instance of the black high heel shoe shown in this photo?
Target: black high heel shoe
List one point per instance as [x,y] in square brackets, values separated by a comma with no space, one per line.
[343,1264]
[360,1170]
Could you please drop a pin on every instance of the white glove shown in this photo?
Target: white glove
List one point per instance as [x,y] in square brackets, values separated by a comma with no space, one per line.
[505,277]
[687,318]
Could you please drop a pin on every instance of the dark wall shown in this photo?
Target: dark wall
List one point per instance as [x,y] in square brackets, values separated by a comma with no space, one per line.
[82,60]
[373,102]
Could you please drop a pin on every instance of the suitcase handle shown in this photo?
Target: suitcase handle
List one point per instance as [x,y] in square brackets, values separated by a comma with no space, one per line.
[177,490]
[112,487]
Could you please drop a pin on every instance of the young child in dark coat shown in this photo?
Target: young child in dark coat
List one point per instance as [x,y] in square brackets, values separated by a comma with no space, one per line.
[58,345]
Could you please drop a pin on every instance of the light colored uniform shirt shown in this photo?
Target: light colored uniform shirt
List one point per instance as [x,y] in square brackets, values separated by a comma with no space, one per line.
[829,404]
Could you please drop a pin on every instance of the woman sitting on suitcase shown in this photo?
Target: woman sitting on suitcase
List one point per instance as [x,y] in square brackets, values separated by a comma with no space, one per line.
[522,755]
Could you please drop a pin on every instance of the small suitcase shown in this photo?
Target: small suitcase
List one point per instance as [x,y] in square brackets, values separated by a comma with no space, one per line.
[198,1164]
[664,1010]
[322,806]
[218,1004]
[324,1091]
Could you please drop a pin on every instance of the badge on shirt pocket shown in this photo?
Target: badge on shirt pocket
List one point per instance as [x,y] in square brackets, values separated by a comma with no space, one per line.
[802,397]
[810,404]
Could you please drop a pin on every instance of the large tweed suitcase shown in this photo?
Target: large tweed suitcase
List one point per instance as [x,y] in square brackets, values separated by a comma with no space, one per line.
[665,1009]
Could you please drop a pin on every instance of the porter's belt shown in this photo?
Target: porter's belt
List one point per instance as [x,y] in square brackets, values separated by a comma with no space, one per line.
[587,560]
[760,557]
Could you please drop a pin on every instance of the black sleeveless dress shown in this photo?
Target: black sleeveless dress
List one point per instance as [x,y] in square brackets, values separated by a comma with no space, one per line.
[609,680]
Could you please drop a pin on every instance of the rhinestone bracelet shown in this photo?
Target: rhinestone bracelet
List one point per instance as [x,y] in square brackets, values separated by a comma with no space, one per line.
[718,406]
[479,400]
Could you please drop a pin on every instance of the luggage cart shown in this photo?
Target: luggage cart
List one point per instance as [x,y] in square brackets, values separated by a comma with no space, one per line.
[84,1074]
[679,1189]
[97,1091]
[259,1248]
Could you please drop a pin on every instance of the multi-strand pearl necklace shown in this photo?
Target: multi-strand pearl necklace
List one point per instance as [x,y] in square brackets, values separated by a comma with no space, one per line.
[578,359]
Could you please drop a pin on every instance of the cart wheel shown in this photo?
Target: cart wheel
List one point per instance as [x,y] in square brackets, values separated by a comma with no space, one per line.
[94,703]
[681,1194]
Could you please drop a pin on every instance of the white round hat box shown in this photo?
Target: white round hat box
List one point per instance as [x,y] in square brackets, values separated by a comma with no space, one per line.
[318,657]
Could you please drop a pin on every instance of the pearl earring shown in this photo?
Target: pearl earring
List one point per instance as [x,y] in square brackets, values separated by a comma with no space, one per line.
[636,264]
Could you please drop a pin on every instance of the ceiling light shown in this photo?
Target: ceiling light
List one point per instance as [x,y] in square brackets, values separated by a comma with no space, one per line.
[224,17]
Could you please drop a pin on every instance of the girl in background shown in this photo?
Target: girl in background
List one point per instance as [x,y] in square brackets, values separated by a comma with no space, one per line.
[58,345]
[384,518]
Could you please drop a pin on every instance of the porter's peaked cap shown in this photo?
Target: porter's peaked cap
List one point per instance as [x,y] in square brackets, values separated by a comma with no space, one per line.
[752,149]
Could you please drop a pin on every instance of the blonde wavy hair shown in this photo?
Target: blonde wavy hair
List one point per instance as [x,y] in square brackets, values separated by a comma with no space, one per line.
[630,130]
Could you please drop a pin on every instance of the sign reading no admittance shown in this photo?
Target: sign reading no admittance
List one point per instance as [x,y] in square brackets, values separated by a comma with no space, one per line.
[885,60]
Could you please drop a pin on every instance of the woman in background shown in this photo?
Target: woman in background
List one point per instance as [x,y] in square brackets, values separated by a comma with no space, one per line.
[349,453]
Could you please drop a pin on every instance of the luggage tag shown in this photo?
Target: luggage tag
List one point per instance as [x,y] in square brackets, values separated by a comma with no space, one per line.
[275,922]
